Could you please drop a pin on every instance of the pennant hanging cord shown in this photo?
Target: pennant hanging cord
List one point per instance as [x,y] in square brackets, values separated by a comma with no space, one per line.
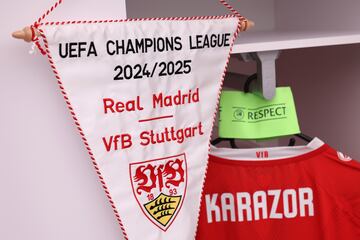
[36,41]
[32,33]
[244,23]
[36,32]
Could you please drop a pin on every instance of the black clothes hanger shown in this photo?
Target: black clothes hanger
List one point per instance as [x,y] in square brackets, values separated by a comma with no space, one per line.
[304,137]
[292,141]
[219,140]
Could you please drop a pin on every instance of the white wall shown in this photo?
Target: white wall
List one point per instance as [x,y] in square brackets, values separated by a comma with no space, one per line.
[326,85]
[317,15]
[48,187]
[260,11]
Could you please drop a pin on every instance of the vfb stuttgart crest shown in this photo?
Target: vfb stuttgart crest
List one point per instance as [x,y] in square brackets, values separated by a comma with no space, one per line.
[159,187]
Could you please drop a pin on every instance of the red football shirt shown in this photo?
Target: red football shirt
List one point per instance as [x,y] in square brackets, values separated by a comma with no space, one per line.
[284,193]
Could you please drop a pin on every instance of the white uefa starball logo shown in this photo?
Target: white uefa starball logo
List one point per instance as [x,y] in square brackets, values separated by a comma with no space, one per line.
[344,157]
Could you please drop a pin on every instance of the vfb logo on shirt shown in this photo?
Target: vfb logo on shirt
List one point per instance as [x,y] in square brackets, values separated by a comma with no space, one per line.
[159,187]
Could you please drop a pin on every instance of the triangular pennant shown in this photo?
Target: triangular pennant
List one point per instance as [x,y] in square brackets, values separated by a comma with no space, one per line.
[143,94]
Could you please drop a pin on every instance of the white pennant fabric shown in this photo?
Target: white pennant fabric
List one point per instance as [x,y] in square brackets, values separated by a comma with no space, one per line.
[143,94]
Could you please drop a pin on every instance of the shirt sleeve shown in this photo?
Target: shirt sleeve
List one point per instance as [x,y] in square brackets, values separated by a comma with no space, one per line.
[341,178]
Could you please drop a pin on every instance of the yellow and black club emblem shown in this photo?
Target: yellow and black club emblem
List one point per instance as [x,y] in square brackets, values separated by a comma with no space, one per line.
[159,186]
[163,208]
